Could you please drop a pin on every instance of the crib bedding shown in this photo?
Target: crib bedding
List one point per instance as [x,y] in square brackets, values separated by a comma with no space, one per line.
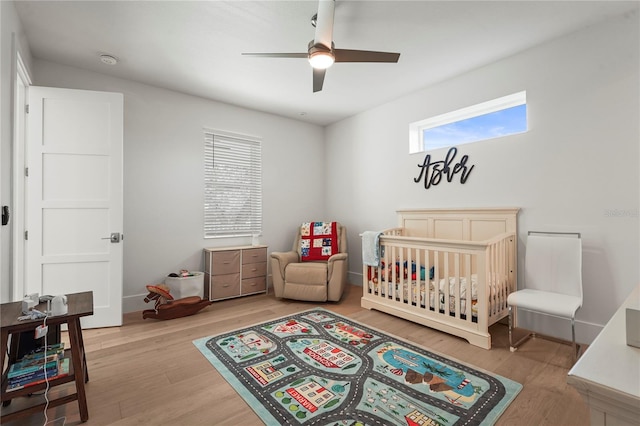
[388,290]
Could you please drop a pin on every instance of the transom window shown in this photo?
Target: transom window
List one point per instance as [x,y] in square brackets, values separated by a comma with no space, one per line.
[232,184]
[492,119]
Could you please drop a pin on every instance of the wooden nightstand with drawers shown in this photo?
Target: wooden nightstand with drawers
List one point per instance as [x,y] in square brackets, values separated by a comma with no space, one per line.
[235,271]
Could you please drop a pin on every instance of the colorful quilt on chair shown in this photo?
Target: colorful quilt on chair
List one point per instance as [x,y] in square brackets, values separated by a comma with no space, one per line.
[319,368]
[318,240]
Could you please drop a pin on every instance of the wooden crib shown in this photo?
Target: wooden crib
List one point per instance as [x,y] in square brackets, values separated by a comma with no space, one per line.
[427,263]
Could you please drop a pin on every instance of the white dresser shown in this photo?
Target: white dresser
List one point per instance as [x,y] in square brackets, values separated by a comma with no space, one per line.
[608,373]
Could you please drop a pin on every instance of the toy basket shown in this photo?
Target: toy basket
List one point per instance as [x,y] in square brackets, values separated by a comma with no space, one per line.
[186,286]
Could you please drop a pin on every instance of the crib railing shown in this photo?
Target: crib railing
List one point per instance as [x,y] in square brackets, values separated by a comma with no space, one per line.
[465,283]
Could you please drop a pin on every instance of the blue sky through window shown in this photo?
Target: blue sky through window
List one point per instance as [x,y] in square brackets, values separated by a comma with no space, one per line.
[492,125]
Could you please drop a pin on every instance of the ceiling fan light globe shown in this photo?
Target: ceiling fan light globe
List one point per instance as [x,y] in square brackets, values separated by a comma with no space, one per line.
[321,60]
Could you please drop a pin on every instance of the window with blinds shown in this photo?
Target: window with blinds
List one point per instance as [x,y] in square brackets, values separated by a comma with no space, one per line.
[232,185]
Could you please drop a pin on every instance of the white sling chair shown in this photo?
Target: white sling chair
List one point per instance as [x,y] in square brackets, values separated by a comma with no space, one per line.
[553,281]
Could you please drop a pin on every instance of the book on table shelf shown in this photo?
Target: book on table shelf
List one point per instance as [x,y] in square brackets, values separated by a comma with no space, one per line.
[60,370]
[36,375]
[16,370]
[39,353]
[30,362]
[36,361]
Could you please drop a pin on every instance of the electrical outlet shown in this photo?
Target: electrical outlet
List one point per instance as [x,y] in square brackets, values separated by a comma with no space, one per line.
[41,331]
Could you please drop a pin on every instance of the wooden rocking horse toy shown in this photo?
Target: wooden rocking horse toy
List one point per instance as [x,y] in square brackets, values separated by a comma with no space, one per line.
[167,308]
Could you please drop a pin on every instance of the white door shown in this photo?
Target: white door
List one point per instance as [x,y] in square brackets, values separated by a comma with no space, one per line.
[74,198]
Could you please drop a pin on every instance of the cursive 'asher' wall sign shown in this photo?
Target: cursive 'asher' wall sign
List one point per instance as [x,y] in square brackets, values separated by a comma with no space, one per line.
[433,171]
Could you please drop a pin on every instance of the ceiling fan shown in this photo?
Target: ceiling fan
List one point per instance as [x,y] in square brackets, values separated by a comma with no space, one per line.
[321,51]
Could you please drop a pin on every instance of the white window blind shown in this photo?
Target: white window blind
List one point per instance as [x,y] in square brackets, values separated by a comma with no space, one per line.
[233,185]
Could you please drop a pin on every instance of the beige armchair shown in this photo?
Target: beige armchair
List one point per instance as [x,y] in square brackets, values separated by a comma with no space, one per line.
[318,280]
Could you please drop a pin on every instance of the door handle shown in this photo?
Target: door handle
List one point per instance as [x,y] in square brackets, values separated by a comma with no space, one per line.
[115,237]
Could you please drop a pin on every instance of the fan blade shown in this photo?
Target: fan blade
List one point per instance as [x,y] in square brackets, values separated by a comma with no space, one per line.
[347,55]
[318,79]
[324,23]
[278,55]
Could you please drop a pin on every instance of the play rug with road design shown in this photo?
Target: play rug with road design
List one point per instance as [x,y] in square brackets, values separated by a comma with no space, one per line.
[317,367]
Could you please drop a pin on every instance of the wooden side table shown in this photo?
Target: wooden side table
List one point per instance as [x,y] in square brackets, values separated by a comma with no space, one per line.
[79,305]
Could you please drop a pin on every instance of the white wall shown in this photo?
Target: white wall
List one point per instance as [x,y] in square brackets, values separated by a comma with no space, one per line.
[12,40]
[164,174]
[578,161]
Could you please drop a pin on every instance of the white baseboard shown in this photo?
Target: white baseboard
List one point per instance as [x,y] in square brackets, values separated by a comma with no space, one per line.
[557,327]
[135,303]
[354,278]
[551,326]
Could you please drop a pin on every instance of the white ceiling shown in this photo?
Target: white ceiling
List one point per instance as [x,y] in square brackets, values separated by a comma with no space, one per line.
[195,46]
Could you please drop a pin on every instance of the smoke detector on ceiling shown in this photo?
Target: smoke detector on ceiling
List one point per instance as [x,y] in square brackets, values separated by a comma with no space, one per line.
[108,59]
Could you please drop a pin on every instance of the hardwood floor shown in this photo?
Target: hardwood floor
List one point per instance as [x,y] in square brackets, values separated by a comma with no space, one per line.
[148,372]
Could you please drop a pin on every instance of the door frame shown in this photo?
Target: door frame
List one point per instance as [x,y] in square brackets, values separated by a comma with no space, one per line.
[18,161]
